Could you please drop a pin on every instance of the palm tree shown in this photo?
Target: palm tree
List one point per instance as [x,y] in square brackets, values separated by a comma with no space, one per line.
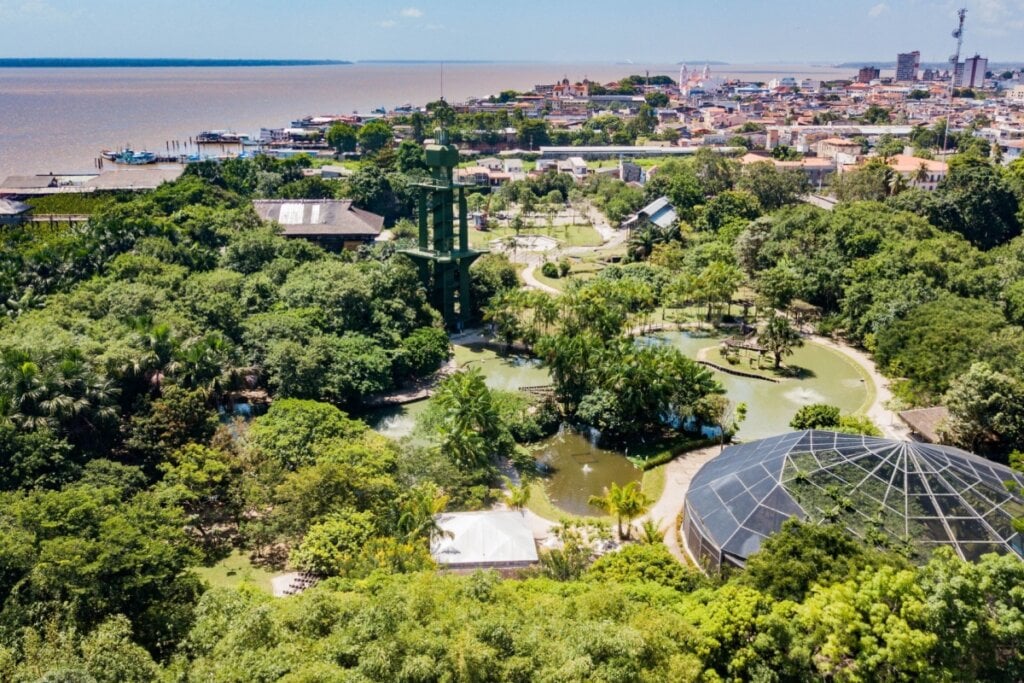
[635,504]
[517,496]
[641,242]
[23,382]
[157,351]
[779,338]
[469,418]
[921,174]
[545,310]
[208,363]
[57,389]
[650,534]
[895,182]
[419,511]
[623,502]
[511,243]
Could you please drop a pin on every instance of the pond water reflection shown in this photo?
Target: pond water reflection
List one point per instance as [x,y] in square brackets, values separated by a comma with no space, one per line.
[580,469]
[829,378]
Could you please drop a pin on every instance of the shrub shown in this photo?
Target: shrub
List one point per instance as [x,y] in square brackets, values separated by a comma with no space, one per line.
[549,269]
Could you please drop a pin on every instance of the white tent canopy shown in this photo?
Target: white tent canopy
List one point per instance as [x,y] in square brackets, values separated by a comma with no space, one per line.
[498,538]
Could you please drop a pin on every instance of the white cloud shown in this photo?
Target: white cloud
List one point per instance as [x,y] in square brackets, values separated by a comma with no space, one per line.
[35,9]
[434,27]
[411,13]
[998,17]
[388,23]
[878,10]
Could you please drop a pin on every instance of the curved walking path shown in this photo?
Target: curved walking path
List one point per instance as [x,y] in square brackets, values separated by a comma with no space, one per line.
[610,236]
[678,475]
[883,417]
[533,283]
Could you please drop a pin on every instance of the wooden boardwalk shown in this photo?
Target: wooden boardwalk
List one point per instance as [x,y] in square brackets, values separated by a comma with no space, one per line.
[738,373]
[540,390]
[59,218]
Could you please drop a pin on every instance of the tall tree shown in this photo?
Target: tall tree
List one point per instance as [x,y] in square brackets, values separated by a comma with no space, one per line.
[342,137]
[779,337]
[375,136]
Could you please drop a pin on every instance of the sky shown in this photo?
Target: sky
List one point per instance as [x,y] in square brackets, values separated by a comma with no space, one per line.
[654,31]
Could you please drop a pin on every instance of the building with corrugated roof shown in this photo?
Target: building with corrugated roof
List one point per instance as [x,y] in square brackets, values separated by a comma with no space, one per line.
[492,539]
[334,224]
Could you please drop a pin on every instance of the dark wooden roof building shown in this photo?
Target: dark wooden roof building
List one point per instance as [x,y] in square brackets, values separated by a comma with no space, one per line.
[332,223]
[926,423]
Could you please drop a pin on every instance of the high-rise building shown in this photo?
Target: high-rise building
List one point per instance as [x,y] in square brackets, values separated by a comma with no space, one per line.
[958,74]
[907,64]
[868,74]
[973,74]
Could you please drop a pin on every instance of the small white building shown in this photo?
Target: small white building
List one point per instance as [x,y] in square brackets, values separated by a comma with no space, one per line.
[492,539]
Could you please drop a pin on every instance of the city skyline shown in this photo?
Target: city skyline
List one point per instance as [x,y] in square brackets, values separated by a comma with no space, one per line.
[573,31]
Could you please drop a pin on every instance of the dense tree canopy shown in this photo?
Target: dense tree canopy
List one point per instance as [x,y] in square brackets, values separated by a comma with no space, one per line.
[130,344]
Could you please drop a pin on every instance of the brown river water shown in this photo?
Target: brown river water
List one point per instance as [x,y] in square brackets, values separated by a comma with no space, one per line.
[59,119]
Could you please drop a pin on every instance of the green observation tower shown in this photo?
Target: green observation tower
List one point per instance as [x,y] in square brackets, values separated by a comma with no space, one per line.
[443,265]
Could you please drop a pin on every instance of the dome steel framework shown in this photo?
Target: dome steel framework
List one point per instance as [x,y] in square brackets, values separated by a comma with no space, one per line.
[901,493]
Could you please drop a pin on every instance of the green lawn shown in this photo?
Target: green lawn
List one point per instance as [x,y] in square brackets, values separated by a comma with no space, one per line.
[350,164]
[527,164]
[643,162]
[79,204]
[567,235]
[766,369]
[581,270]
[653,483]
[233,571]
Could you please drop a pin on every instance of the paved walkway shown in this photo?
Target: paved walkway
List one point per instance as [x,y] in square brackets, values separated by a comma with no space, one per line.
[678,475]
[533,283]
[611,237]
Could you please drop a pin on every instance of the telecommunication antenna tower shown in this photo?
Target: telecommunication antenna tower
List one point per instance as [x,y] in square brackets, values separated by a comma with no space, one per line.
[954,60]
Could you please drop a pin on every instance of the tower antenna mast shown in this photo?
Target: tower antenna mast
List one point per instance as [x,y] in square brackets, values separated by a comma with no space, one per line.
[955,61]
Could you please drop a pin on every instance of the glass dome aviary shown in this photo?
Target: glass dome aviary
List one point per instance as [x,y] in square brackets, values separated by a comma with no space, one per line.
[902,494]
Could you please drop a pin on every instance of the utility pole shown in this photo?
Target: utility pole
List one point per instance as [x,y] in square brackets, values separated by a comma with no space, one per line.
[955,61]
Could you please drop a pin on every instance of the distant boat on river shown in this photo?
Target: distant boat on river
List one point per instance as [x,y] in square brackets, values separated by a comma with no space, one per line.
[129,156]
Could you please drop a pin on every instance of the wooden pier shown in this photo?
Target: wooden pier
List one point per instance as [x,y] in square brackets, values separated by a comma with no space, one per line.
[57,219]
[737,373]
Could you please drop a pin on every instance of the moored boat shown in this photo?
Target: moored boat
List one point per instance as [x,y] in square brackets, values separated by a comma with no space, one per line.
[129,156]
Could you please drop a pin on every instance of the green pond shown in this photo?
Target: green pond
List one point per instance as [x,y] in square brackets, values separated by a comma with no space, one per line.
[828,377]
[577,468]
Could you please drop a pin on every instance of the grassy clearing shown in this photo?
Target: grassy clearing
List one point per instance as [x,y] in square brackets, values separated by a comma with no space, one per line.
[653,483]
[643,162]
[765,369]
[528,165]
[235,570]
[581,270]
[78,204]
[566,235]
